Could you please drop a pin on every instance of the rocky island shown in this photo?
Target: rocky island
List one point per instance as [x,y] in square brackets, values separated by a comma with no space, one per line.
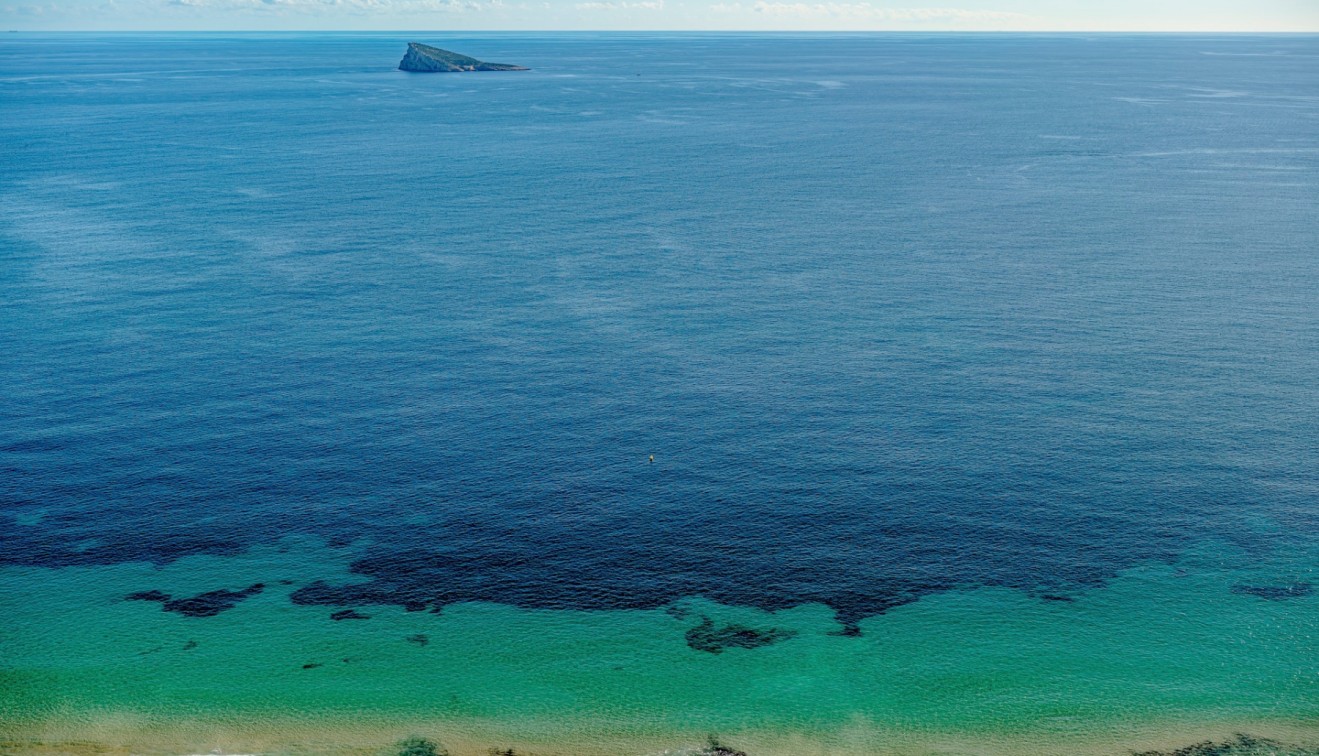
[427,59]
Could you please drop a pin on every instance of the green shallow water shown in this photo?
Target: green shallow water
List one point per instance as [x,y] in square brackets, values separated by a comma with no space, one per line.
[1164,652]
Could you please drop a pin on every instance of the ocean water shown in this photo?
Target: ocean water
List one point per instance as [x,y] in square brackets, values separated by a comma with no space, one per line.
[828,394]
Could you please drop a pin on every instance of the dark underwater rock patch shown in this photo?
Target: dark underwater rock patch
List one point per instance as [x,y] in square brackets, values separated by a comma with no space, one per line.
[595,579]
[713,747]
[211,603]
[148,596]
[738,550]
[206,604]
[779,557]
[1241,745]
[415,746]
[1275,592]
[349,614]
[714,639]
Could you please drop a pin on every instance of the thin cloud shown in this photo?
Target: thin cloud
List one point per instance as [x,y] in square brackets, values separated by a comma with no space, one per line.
[837,10]
[655,5]
[348,6]
[33,10]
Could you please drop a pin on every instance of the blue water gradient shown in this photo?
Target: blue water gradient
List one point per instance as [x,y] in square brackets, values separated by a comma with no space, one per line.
[894,313]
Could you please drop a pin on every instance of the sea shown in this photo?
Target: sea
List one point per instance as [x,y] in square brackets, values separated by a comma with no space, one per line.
[786,394]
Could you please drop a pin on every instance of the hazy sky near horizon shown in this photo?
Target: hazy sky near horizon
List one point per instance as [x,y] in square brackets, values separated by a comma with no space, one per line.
[803,15]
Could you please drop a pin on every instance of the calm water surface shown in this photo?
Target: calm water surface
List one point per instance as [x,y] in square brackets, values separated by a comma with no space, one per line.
[979,375]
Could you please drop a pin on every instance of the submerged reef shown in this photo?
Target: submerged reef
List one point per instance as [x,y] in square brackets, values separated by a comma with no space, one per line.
[349,614]
[415,746]
[426,59]
[714,639]
[713,747]
[1275,592]
[1241,745]
[206,604]
[418,579]
[147,596]
[459,555]
[779,560]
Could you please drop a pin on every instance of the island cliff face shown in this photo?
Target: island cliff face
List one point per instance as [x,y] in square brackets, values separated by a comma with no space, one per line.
[427,59]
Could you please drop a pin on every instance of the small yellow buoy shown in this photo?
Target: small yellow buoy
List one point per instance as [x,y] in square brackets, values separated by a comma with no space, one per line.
[652,459]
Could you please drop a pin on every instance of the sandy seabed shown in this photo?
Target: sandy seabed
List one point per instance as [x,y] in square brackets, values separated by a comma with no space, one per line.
[128,733]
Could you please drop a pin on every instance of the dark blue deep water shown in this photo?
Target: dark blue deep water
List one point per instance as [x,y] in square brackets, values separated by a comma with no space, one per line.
[893,313]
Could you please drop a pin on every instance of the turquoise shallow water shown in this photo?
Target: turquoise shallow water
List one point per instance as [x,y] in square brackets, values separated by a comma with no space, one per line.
[978,374]
[1156,658]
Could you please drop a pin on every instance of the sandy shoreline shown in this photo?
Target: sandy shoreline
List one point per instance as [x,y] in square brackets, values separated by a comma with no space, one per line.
[127,733]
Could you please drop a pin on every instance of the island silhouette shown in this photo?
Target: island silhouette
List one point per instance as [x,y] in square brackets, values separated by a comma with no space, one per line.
[426,59]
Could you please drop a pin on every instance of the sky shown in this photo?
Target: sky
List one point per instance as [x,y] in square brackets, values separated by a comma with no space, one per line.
[677,15]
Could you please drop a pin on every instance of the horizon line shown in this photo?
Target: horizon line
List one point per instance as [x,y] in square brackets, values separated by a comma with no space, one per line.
[1290,32]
